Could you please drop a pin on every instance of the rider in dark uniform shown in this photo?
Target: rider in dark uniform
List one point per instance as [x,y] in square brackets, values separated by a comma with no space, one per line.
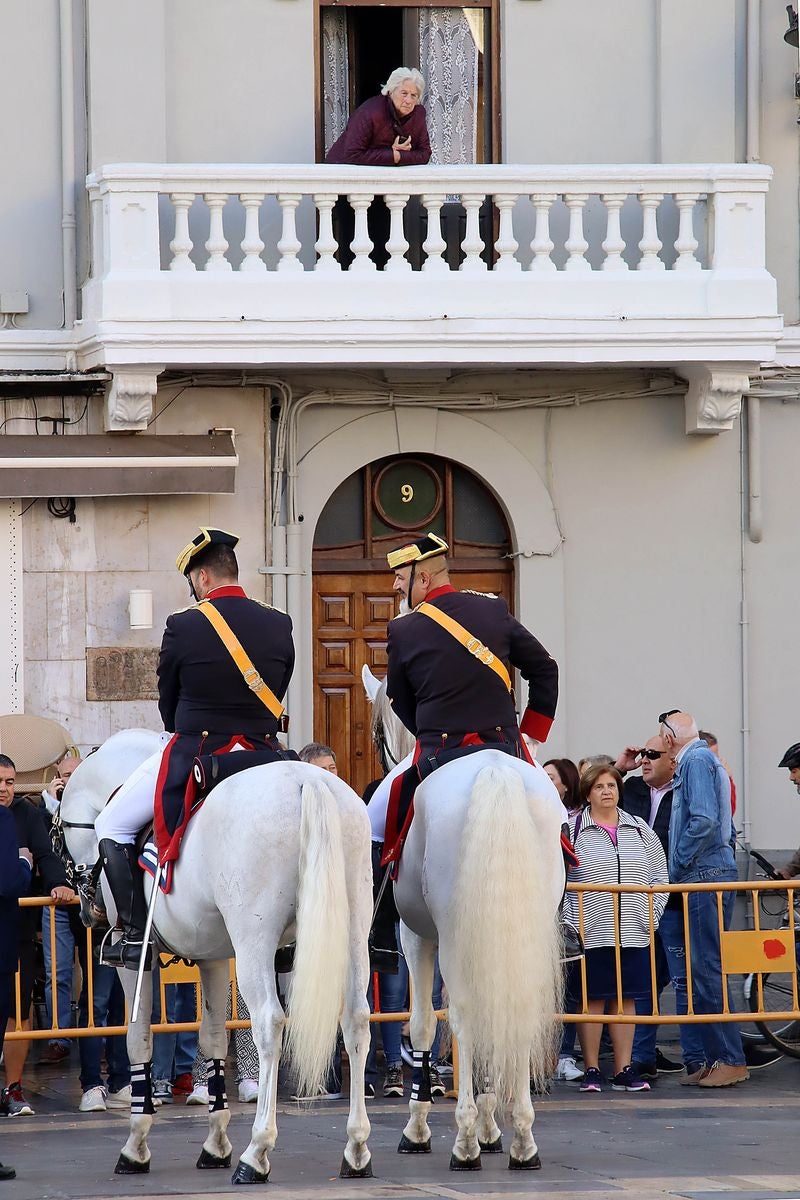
[445,694]
[207,705]
[451,687]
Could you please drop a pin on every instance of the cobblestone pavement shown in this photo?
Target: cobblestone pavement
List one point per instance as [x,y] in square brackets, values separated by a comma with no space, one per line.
[672,1142]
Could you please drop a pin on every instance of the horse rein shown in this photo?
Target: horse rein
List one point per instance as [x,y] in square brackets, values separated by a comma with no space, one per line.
[388,760]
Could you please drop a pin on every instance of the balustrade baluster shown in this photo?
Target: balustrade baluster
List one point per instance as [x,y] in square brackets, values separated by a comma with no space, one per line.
[506,244]
[216,244]
[614,242]
[289,246]
[326,244]
[434,244]
[686,243]
[542,245]
[650,243]
[472,244]
[182,245]
[361,243]
[396,244]
[252,245]
[576,244]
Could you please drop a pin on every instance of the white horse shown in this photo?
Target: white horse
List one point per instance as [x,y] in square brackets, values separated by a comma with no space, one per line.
[275,850]
[481,877]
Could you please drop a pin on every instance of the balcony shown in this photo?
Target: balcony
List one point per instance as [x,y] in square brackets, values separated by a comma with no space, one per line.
[209,265]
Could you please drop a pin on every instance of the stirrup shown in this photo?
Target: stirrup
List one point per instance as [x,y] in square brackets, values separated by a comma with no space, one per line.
[126,952]
[573,949]
[386,962]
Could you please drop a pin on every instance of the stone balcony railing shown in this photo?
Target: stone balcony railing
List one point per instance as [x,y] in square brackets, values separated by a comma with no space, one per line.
[215,265]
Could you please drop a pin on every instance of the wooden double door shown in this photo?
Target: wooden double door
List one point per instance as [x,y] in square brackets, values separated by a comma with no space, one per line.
[351,613]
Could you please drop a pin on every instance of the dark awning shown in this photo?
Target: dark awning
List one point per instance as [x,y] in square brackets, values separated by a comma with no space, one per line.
[116,465]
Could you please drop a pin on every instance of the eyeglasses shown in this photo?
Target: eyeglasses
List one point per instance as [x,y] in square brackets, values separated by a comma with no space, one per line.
[662,719]
[651,754]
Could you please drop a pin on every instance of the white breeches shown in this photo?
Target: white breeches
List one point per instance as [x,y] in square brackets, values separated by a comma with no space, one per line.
[376,809]
[132,807]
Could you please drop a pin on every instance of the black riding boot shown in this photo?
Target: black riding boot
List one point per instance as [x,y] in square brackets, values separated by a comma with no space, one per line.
[125,880]
[573,943]
[384,955]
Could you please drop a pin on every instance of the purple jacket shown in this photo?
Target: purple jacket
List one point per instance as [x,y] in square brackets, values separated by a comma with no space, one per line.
[367,139]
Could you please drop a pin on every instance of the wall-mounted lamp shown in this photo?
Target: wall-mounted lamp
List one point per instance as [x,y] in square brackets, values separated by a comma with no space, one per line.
[792,37]
[140,607]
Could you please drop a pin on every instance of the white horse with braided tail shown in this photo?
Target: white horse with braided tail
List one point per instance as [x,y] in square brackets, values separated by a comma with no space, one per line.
[275,851]
[481,877]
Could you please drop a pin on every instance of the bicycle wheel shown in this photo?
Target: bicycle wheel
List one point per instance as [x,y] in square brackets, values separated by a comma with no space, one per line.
[778,997]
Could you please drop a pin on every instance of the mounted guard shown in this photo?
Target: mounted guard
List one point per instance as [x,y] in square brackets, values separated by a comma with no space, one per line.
[448,681]
[224,668]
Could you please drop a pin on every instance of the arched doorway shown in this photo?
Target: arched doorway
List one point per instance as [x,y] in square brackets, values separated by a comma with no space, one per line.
[371,512]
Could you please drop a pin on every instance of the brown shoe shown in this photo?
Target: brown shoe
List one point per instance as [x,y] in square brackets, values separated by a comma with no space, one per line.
[694,1076]
[724,1075]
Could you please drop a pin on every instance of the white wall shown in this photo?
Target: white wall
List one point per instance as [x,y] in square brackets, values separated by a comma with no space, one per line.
[77,577]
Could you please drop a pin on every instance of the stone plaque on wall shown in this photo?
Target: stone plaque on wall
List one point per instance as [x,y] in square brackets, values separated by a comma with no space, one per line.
[121,673]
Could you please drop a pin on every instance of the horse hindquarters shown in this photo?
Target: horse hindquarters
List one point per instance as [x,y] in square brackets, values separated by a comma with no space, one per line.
[504,979]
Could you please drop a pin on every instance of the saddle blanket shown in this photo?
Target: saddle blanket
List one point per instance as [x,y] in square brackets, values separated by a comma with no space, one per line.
[148,861]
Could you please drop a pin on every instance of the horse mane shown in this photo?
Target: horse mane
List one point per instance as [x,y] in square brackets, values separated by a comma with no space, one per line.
[387,726]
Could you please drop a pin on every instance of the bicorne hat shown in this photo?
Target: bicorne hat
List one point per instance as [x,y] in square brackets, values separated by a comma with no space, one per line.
[191,555]
[414,552]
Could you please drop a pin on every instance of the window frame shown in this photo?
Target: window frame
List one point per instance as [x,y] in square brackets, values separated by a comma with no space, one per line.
[495,92]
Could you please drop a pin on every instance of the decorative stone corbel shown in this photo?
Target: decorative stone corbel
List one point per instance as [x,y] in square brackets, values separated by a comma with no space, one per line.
[714,397]
[129,399]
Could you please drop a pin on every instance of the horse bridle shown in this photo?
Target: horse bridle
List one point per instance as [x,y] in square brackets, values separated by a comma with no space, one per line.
[388,760]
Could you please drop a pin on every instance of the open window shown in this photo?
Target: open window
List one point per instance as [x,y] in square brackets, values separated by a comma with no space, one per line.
[455,46]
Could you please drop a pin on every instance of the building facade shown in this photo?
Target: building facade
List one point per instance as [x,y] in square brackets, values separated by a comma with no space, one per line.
[579,359]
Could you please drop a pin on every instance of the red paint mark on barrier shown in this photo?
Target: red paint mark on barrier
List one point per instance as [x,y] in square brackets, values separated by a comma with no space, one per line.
[773,948]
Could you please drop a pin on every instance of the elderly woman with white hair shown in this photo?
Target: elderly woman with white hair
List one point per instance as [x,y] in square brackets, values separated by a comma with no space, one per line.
[388,129]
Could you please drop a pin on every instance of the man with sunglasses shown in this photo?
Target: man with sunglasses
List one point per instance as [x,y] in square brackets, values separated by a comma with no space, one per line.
[649,796]
[701,837]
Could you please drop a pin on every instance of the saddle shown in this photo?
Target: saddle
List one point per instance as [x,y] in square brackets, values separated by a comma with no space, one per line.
[400,810]
[210,769]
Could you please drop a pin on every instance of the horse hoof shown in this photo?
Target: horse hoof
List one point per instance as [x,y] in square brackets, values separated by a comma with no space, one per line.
[348,1172]
[465,1164]
[208,1162]
[524,1164]
[128,1166]
[408,1147]
[495,1147]
[244,1173]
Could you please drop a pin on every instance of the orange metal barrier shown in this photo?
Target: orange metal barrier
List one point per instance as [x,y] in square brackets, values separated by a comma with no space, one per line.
[758,951]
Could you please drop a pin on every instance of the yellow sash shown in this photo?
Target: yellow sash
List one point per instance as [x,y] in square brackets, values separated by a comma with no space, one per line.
[239,656]
[462,635]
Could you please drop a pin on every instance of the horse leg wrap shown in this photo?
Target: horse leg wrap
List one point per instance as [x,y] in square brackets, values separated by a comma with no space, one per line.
[217,1099]
[141,1090]
[421,1077]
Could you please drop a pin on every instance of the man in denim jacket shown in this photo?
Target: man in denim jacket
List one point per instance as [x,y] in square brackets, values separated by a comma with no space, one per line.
[701,839]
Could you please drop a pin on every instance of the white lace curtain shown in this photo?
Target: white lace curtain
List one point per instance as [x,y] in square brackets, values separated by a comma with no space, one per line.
[448,54]
[335,74]
[449,43]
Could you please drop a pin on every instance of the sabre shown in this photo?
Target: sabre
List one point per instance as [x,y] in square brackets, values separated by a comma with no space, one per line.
[148,926]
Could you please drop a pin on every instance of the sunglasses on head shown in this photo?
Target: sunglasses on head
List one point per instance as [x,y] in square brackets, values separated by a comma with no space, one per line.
[662,719]
[651,754]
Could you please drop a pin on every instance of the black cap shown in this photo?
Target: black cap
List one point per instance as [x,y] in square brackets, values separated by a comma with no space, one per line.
[792,757]
[191,555]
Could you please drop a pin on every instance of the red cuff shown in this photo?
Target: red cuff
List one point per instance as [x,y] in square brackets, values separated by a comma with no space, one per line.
[535,725]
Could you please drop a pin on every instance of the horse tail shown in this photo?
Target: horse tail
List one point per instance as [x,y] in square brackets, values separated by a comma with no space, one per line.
[506,934]
[317,989]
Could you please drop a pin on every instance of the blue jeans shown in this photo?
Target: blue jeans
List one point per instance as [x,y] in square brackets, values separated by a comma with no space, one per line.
[721,1041]
[65,968]
[109,1009]
[670,967]
[173,1053]
[393,996]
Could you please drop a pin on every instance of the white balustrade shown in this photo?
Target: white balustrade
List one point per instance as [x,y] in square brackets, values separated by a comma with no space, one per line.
[499,197]
[542,244]
[216,244]
[181,245]
[252,245]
